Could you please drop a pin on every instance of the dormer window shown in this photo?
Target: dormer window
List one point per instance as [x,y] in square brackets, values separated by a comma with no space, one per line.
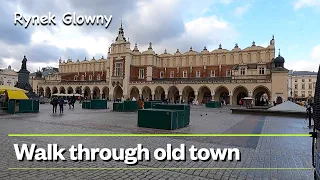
[198,74]
[75,77]
[90,77]
[141,73]
[185,74]
[172,74]
[161,74]
[228,73]
[212,73]
[261,70]
[242,71]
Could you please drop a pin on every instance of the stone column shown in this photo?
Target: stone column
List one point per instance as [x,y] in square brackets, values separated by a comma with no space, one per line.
[153,96]
[166,94]
[212,96]
[230,97]
[196,95]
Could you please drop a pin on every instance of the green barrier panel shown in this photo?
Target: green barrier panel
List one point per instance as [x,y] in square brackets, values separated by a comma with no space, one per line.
[23,106]
[129,106]
[184,107]
[5,105]
[95,104]
[213,104]
[148,104]
[160,118]
[118,107]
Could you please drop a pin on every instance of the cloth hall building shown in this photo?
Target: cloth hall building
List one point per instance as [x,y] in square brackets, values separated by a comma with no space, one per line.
[220,74]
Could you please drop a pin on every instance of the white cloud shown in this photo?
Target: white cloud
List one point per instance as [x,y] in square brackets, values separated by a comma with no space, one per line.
[311,64]
[226,1]
[306,3]
[241,10]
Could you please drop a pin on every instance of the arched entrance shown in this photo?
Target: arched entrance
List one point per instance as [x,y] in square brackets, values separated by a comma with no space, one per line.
[146,93]
[70,90]
[117,92]
[134,92]
[188,94]
[105,92]
[261,96]
[78,90]
[239,93]
[48,92]
[159,93]
[95,93]
[62,90]
[41,91]
[54,90]
[173,94]
[204,94]
[87,92]
[222,94]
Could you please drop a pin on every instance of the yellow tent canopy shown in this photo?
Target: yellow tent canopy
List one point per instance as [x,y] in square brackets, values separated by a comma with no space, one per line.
[10,88]
[17,95]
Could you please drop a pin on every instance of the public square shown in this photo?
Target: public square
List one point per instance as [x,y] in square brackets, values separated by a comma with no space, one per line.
[256,152]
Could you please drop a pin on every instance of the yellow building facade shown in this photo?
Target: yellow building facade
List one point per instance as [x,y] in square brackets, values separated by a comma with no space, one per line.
[127,72]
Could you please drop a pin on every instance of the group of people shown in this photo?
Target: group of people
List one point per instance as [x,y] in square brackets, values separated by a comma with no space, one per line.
[60,101]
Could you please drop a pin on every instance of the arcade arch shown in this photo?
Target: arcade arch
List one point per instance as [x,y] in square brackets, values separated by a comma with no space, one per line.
[222,94]
[87,92]
[78,90]
[258,93]
[48,92]
[188,94]
[204,94]
[95,93]
[173,94]
[159,93]
[238,93]
[134,92]
[117,92]
[146,93]
[70,90]
[105,92]
[41,91]
[54,90]
[62,90]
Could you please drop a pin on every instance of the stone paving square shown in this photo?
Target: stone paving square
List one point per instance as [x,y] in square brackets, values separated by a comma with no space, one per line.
[256,152]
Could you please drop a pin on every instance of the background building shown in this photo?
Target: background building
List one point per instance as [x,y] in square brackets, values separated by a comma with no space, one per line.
[8,77]
[302,85]
[220,74]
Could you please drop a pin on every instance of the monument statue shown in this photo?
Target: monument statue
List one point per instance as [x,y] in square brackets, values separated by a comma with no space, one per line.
[23,79]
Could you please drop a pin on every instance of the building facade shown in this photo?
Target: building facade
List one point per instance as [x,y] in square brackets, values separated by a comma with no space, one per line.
[220,74]
[302,85]
[8,77]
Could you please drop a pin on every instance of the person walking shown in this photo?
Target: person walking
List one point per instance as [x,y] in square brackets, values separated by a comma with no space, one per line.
[61,104]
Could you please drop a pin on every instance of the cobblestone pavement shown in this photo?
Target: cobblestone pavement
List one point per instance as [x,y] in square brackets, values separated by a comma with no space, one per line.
[263,152]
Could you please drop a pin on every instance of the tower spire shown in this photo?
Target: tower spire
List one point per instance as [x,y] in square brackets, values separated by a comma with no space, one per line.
[120,37]
[279,51]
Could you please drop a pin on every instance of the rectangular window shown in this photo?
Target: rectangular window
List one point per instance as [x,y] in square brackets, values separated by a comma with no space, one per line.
[242,71]
[212,73]
[310,80]
[172,74]
[295,93]
[98,77]
[185,74]
[119,69]
[198,74]
[302,80]
[310,93]
[296,80]
[310,86]
[161,74]
[141,73]
[302,94]
[303,86]
[90,77]
[228,73]
[296,86]
[261,70]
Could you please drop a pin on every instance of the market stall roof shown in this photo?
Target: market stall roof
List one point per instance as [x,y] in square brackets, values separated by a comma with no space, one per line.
[9,88]
[17,95]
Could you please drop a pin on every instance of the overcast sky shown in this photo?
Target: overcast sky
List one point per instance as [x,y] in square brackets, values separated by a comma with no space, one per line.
[168,24]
